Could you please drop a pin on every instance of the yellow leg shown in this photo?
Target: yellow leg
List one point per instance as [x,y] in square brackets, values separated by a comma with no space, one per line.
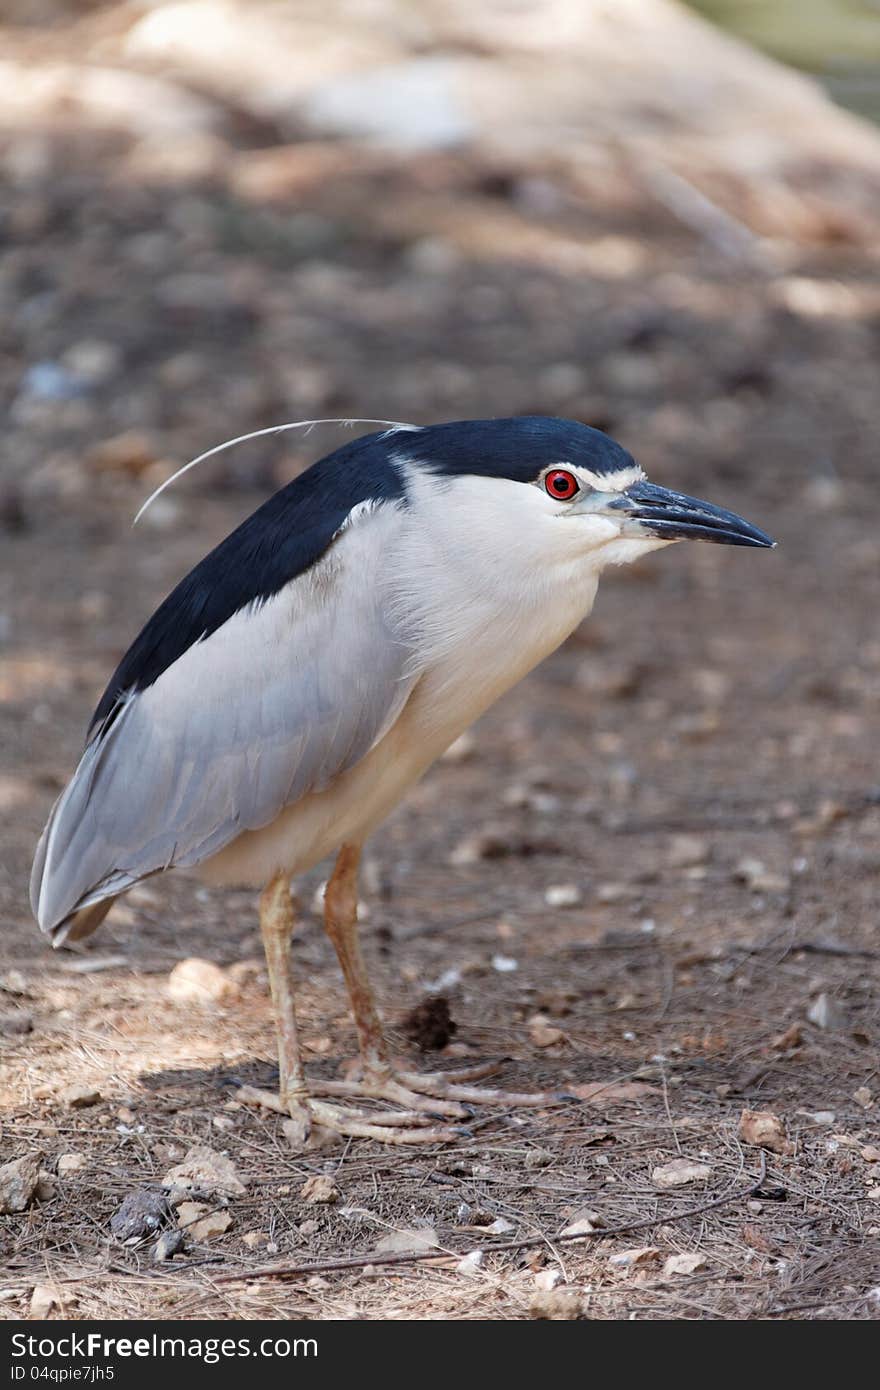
[447,1094]
[340,921]
[406,1126]
[276,928]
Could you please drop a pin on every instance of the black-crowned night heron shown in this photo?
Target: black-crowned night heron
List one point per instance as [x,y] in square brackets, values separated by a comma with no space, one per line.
[309,670]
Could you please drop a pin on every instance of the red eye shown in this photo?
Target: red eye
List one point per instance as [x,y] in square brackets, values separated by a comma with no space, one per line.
[561,484]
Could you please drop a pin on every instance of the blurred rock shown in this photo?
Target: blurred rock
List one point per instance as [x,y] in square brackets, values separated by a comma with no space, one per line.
[80,1095]
[416,105]
[433,255]
[462,750]
[52,382]
[563,895]
[260,56]
[542,1032]
[720,146]
[13,517]
[15,1023]
[199,981]
[612,681]
[488,843]
[132,452]
[828,1013]
[32,95]
[92,360]
[558,1305]
[687,851]
[758,878]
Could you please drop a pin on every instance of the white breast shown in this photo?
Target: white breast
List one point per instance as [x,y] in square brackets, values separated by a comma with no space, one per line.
[483,586]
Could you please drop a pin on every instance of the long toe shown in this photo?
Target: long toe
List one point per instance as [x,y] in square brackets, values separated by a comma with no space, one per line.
[268,1100]
[444,1094]
[419,1101]
[312,1118]
[388,1087]
[477,1072]
[437,1085]
[360,1125]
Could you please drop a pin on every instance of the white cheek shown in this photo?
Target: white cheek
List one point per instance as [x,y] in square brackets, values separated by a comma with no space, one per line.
[594,532]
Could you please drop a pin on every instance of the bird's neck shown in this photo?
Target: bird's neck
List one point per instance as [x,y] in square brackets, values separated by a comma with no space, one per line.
[476,623]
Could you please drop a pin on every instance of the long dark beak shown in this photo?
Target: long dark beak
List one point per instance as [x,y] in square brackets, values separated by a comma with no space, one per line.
[673,516]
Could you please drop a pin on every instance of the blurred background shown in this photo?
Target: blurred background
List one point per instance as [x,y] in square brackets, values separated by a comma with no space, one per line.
[216,216]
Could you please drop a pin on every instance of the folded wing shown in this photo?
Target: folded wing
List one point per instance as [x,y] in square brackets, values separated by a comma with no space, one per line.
[274,704]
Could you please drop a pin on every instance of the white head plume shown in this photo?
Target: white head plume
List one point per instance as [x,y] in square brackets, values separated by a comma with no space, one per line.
[257,434]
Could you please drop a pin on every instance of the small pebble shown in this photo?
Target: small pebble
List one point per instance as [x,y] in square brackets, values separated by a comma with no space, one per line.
[641,1255]
[70,1163]
[43,1300]
[319,1189]
[556,1304]
[826,1013]
[78,1097]
[199,982]
[204,1170]
[563,895]
[213,1223]
[169,1244]
[687,851]
[679,1172]
[687,1263]
[255,1240]
[19,1181]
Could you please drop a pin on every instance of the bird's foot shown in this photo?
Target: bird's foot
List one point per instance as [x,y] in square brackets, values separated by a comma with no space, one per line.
[423,1100]
[445,1093]
[314,1118]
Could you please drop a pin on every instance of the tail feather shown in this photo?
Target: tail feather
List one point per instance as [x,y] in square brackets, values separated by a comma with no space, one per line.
[82,923]
[67,901]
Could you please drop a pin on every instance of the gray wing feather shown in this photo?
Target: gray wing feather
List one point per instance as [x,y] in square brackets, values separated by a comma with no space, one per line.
[275,704]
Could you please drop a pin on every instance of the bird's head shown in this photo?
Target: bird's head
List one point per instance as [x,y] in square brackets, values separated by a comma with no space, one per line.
[562,489]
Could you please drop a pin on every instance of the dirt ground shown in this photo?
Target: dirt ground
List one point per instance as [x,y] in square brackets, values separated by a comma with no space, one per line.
[695,766]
